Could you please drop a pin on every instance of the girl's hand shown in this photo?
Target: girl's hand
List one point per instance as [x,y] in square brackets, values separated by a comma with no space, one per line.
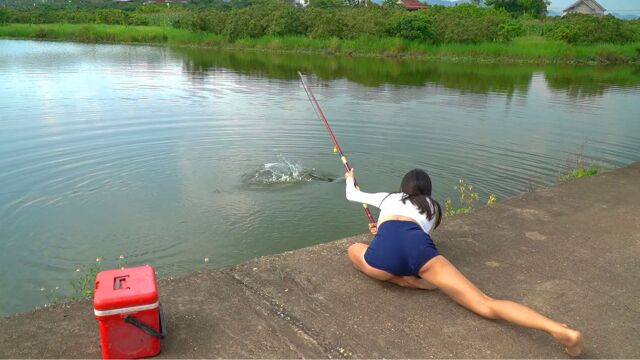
[351,174]
[373,228]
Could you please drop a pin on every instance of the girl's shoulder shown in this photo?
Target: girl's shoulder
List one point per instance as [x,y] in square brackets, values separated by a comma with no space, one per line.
[399,196]
[393,196]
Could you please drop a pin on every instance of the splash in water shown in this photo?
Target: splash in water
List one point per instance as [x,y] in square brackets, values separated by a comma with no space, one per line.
[281,173]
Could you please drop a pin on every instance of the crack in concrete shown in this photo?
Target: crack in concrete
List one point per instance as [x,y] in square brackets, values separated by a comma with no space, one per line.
[329,349]
[621,302]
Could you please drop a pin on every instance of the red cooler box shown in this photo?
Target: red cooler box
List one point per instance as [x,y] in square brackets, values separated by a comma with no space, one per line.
[126,305]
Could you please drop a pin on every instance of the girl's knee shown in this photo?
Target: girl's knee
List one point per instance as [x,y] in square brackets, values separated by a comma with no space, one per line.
[354,252]
[486,308]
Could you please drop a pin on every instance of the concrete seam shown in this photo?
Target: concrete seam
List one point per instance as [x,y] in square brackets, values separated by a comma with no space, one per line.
[330,350]
[621,302]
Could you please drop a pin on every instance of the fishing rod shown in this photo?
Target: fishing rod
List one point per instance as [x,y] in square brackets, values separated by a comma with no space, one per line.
[336,146]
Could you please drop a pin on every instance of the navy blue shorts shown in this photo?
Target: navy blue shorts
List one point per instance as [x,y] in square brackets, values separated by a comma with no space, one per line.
[400,248]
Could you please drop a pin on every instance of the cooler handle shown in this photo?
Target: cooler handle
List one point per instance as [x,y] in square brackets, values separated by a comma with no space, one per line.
[148,329]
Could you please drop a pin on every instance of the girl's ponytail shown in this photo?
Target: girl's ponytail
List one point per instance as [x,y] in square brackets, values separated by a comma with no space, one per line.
[416,186]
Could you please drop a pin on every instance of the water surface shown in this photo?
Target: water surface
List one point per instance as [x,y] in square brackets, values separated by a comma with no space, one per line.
[170,156]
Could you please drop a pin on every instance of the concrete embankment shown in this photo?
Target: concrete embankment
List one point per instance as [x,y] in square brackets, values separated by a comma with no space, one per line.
[571,251]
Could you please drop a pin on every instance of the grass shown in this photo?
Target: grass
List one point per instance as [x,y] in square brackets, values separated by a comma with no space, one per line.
[82,283]
[580,172]
[525,49]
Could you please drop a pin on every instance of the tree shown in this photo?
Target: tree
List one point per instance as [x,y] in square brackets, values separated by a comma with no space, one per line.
[327,4]
[535,8]
[392,4]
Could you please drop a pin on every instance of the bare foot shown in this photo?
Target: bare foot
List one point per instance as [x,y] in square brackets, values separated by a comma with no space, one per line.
[571,339]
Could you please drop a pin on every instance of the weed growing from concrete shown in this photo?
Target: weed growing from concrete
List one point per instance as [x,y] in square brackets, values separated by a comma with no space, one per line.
[467,199]
[83,285]
[578,165]
[580,172]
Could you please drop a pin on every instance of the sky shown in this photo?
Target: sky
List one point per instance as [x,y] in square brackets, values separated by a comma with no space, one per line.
[619,6]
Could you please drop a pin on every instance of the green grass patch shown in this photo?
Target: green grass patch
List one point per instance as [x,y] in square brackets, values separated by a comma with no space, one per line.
[524,49]
[580,172]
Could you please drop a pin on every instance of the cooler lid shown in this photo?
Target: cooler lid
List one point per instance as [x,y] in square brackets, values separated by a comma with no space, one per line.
[123,288]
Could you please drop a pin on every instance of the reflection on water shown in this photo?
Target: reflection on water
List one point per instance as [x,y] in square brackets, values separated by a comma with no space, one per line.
[168,156]
[480,78]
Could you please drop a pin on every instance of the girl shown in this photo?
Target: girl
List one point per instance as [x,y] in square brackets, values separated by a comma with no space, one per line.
[403,253]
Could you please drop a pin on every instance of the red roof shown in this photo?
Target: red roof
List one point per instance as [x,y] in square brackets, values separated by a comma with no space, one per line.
[413,4]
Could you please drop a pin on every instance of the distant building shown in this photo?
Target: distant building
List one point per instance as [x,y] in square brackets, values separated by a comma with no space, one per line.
[590,7]
[412,5]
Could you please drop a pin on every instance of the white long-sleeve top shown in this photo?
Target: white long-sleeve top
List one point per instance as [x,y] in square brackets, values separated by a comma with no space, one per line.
[391,204]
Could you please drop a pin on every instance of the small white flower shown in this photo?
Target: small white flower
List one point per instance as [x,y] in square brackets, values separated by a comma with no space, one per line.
[57,287]
[41,289]
[121,257]
[78,270]
[206,259]
[98,259]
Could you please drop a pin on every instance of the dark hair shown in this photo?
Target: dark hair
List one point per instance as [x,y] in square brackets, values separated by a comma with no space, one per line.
[416,186]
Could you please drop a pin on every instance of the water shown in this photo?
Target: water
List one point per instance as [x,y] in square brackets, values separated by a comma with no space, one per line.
[170,156]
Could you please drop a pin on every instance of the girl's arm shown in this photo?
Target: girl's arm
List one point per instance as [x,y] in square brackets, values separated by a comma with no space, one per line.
[356,195]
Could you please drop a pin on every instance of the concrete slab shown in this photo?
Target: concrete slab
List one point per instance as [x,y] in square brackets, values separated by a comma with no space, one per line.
[208,315]
[571,251]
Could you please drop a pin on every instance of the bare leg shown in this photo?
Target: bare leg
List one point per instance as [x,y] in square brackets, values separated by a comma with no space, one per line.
[441,273]
[356,255]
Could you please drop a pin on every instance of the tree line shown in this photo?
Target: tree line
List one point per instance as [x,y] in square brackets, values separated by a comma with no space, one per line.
[236,19]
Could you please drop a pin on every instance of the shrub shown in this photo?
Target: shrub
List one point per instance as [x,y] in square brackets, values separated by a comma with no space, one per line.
[79,17]
[111,17]
[283,21]
[466,23]
[323,24]
[4,16]
[138,19]
[42,16]
[535,27]
[509,30]
[209,21]
[365,21]
[326,4]
[587,29]
[411,26]
[247,22]
[631,29]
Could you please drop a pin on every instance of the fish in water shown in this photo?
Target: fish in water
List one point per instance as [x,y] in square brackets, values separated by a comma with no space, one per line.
[322,178]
